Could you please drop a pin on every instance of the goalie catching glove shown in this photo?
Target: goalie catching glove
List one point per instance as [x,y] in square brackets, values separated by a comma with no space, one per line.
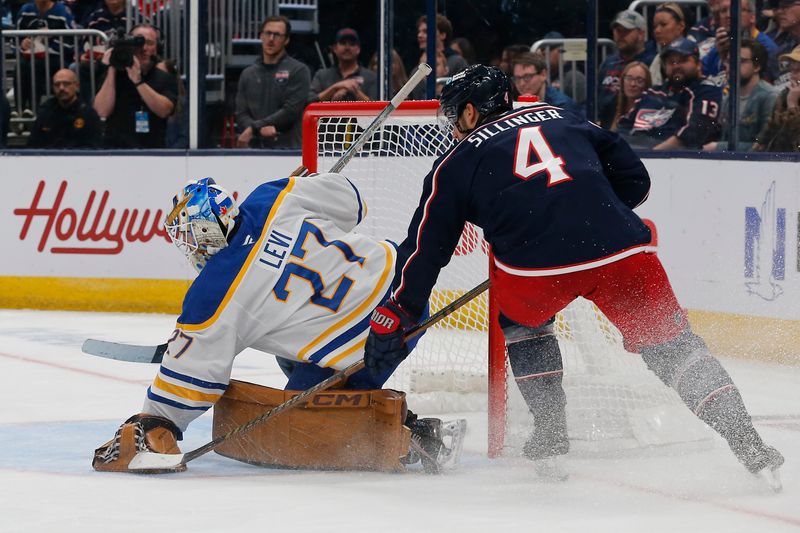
[140,433]
[386,346]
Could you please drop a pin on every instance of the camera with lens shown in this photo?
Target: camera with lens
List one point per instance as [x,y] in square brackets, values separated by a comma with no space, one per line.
[123,50]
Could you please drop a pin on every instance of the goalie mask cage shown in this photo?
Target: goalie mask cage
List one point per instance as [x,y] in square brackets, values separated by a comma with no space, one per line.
[614,403]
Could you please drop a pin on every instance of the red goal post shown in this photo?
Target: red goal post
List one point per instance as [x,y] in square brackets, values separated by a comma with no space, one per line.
[614,401]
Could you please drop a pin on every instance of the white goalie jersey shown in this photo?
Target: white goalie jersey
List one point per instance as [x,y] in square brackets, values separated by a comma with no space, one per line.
[295,281]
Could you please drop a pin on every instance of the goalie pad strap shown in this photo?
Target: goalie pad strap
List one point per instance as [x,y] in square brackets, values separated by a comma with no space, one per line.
[334,430]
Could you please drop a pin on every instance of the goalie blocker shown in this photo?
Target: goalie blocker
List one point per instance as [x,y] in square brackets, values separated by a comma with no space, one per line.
[334,430]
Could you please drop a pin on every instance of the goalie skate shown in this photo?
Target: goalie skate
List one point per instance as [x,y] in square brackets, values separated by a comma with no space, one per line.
[436,445]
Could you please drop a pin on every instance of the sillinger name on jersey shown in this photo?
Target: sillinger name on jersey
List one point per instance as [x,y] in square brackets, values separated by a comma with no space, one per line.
[530,117]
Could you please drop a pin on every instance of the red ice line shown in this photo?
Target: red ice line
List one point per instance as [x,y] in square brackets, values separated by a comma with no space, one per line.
[697,499]
[72,369]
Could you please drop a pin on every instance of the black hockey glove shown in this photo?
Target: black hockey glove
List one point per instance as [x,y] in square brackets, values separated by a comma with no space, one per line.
[385,346]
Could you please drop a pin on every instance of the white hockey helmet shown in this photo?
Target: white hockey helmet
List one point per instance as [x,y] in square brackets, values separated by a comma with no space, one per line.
[202,218]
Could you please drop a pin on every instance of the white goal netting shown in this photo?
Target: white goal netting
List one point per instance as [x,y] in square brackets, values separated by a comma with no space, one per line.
[614,401]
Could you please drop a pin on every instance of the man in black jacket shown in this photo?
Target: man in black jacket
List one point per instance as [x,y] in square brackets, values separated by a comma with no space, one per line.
[272,92]
[64,121]
[137,100]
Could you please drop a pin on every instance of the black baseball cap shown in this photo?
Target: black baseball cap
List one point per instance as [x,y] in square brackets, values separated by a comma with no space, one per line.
[347,34]
[683,46]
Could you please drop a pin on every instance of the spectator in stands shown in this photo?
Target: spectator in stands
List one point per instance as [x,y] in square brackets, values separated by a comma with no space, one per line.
[509,54]
[705,31]
[716,60]
[65,121]
[444,32]
[111,18]
[628,29]
[571,82]
[272,92]
[464,48]
[347,80]
[81,9]
[137,101]
[177,135]
[669,23]
[782,132]
[399,76]
[683,113]
[530,79]
[38,15]
[5,119]
[635,81]
[756,99]
[787,34]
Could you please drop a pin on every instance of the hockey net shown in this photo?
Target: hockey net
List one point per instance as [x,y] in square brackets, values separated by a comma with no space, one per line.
[614,402]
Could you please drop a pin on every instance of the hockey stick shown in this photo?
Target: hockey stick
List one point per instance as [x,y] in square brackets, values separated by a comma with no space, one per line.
[149,462]
[155,354]
[421,73]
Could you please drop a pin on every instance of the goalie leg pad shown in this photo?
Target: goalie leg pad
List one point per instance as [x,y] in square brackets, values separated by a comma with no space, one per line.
[139,433]
[686,365]
[535,360]
[334,430]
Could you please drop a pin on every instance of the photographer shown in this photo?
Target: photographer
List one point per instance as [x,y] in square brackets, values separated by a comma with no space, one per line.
[136,98]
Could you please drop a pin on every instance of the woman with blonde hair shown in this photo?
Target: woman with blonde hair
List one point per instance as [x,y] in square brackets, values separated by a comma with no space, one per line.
[634,82]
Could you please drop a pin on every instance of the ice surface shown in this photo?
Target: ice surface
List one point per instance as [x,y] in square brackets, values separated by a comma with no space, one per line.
[59,404]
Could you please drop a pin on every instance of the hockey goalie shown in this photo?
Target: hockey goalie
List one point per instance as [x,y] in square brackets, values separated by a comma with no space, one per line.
[283,273]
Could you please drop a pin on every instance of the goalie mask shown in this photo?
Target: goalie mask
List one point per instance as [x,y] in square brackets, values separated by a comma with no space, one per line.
[202,218]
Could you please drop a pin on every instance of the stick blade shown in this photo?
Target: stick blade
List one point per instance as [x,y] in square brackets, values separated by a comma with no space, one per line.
[157,463]
[124,352]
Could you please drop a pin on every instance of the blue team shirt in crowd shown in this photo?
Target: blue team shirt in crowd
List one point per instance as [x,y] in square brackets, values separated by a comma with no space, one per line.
[691,113]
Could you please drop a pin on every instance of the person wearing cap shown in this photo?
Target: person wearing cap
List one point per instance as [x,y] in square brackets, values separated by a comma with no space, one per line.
[272,92]
[573,82]
[669,23]
[347,80]
[682,113]
[787,33]
[782,132]
[716,60]
[628,29]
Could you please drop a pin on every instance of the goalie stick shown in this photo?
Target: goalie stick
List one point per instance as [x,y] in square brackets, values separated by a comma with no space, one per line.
[155,354]
[156,463]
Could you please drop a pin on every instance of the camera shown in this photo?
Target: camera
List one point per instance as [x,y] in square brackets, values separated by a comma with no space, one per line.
[123,50]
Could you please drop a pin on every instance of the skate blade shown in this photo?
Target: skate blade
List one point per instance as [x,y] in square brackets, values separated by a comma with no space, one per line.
[773,479]
[551,469]
[453,433]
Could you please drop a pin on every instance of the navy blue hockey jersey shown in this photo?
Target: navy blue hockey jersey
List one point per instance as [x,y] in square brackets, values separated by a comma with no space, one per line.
[691,113]
[552,192]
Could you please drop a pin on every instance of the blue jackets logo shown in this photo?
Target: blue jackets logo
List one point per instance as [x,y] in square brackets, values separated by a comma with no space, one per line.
[765,247]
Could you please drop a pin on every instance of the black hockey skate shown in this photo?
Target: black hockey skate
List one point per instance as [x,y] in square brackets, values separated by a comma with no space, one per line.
[545,448]
[762,461]
[434,444]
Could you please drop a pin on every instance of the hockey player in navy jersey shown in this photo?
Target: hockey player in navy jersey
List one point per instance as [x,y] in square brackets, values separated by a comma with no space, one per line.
[554,195]
[283,273]
[683,113]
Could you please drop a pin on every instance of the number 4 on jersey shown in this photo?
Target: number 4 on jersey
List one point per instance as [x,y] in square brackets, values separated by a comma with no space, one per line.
[531,142]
